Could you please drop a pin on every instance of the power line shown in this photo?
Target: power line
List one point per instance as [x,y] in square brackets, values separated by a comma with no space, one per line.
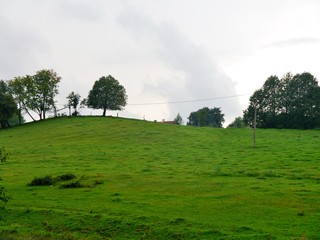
[186,101]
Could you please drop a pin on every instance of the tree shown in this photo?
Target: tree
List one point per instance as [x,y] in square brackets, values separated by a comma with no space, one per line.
[41,90]
[266,101]
[178,120]
[18,88]
[74,101]
[206,117]
[304,102]
[3,87]
[289,102]
[8,106]
[107,94]
[237,123]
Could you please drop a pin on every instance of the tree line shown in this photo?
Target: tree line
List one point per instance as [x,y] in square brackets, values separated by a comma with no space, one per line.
[292,101]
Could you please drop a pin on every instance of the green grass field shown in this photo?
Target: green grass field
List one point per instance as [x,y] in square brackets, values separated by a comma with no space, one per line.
[145,180]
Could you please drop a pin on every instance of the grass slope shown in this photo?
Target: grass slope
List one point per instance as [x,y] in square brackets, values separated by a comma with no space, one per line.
[144,180]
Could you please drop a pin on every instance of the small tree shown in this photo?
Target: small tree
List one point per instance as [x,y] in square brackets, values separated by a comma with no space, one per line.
[107,93]
[178,120]
[74,101]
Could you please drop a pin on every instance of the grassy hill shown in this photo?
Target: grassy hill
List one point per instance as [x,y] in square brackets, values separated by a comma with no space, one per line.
[144,180]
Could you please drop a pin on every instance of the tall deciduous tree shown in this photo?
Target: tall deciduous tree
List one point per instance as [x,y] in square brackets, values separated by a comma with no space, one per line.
[266,101]
[18,89]
[41,90]
[304,101]
[107,94]
[206,117]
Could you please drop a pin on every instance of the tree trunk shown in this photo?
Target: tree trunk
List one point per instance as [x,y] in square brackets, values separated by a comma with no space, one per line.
[4,124]
[19,114]
[25,108]
[104,112]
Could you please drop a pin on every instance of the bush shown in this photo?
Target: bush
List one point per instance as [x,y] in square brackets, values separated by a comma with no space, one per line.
[42,181]
[76,184]
[66,177]
[3,197]
[4,154]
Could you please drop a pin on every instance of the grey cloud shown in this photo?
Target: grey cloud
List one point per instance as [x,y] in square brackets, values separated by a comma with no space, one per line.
[21,50]
[202,77]
[80,10]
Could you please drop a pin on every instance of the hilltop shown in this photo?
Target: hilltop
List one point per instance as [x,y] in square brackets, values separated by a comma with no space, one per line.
[145,180]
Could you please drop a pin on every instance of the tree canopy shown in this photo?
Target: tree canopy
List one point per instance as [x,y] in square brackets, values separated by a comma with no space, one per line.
[42,88]
[36,92]
[8,106]
[206,117]
[237,123]
[107,94]
[289,102]
[178,119]
[74,101]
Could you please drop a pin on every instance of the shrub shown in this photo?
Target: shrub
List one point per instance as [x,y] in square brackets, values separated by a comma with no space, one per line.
[66,177]
[76,184]
[3,197]
[4,154]
[42,181]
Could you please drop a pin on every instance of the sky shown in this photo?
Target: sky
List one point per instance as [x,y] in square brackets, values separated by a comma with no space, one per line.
[172,56]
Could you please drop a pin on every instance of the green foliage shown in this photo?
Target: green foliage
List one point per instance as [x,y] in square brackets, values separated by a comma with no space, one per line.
[289,102]
[41,89]
[3,87]
[237,123]
[206,117]
[35,92]
[4,154]
[107,94]
[160,181]
[3,196]
[8,105]
[74,99]
[178,119]
[49,180]
[18,88]
[16,120]
[66,177]
[76,184]
[42,181]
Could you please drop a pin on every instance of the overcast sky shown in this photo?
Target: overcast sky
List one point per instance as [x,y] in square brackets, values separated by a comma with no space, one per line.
[162,50]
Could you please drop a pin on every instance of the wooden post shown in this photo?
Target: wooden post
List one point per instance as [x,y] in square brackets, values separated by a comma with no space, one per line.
[254,124]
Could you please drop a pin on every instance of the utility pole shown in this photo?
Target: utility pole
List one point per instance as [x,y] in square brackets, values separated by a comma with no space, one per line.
[255,124]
